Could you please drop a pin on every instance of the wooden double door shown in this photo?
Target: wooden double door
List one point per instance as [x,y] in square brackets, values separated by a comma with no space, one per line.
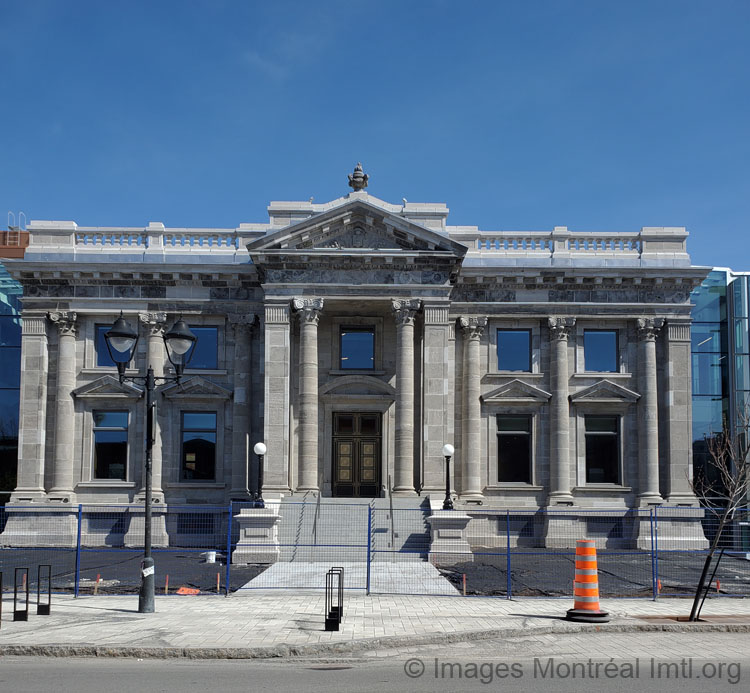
[357,443]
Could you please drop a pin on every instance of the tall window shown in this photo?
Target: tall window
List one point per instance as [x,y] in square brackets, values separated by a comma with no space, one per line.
[602,449]
[600,351]
[110,444]
[514,350]
[357,347]
[102,353]
[513,448]
[198,446]
[206,349]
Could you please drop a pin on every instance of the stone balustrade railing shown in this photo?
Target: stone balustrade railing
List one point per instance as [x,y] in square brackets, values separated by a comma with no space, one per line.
[651,244]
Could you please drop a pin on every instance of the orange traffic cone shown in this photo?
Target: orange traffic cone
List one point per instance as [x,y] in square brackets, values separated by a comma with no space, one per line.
[586,586]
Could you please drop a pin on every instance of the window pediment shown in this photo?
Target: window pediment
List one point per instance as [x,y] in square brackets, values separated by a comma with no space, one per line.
[517,392]
[108,387]
[196,388]
[605,392]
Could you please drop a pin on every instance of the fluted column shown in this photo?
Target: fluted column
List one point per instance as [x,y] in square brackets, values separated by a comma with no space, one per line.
[309,314]
[241,445]
[155,324]
[648,417]
[62,471]
[560,472]
[473,329]
[403,469]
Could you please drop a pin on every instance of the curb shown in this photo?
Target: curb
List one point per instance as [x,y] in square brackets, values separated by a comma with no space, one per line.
[355,646]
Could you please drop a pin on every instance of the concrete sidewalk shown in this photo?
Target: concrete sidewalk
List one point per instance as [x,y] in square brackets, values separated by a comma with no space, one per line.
[278,624]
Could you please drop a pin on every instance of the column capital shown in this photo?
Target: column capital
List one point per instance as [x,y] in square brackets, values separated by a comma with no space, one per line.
[649,328]
[404,310]
[473,327]
[560,328]
[309,309]
[65,321]
[154,321]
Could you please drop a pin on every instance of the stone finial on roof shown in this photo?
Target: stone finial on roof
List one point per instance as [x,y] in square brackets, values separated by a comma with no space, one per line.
[358,179]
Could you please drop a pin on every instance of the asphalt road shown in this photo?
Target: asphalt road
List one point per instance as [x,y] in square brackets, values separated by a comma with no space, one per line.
[639,661]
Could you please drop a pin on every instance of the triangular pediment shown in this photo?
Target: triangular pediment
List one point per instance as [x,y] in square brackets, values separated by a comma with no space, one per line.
[605,391]
[517,392]
[107,387]
[196,388]
[356,225]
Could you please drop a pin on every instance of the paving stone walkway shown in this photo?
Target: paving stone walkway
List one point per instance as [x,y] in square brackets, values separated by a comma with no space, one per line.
[266,623]
[405,577]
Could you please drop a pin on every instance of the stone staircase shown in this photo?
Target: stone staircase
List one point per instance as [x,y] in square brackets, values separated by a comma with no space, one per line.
[314,529]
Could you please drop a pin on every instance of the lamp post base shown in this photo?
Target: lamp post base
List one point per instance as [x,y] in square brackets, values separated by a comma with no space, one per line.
[146,593]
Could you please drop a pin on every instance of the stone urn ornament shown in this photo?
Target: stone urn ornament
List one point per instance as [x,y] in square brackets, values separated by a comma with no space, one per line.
[358,179]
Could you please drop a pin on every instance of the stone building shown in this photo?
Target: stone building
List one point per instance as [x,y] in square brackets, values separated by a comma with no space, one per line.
[355,338]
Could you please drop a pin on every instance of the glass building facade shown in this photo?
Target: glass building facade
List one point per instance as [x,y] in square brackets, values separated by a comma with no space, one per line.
[720,357]
[10,376]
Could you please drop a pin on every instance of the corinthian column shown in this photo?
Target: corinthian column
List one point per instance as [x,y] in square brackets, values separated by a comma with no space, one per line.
[559,472]
[155,323]
[404,312]
[62,471]
[242,325]
[473,329]
[309,314]
[648,417]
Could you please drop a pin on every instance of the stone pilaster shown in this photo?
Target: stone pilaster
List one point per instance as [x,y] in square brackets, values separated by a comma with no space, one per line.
[648,415]
[437,425]
[473,328]
[308,310]
[62,470]
[679,422]
[560,471]
[155,323]
[32,423]
[404,312]
[241,444]
[276,347]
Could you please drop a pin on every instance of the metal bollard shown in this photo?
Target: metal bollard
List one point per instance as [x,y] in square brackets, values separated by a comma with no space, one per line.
[43,609]
[21,614]
[334,599]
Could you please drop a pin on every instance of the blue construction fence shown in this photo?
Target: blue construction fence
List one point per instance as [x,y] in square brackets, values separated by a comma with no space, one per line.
[511,553]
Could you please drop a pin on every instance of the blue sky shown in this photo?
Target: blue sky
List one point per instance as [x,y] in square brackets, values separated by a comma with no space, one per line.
[519,115]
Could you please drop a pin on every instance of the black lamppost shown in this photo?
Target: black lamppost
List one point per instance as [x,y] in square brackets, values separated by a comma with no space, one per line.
[121,340]
[448,451]
[259,450]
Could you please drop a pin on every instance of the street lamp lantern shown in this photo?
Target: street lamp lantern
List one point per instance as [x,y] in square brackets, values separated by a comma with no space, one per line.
[448,451]
[122,340]
[260,451]
[179,340]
